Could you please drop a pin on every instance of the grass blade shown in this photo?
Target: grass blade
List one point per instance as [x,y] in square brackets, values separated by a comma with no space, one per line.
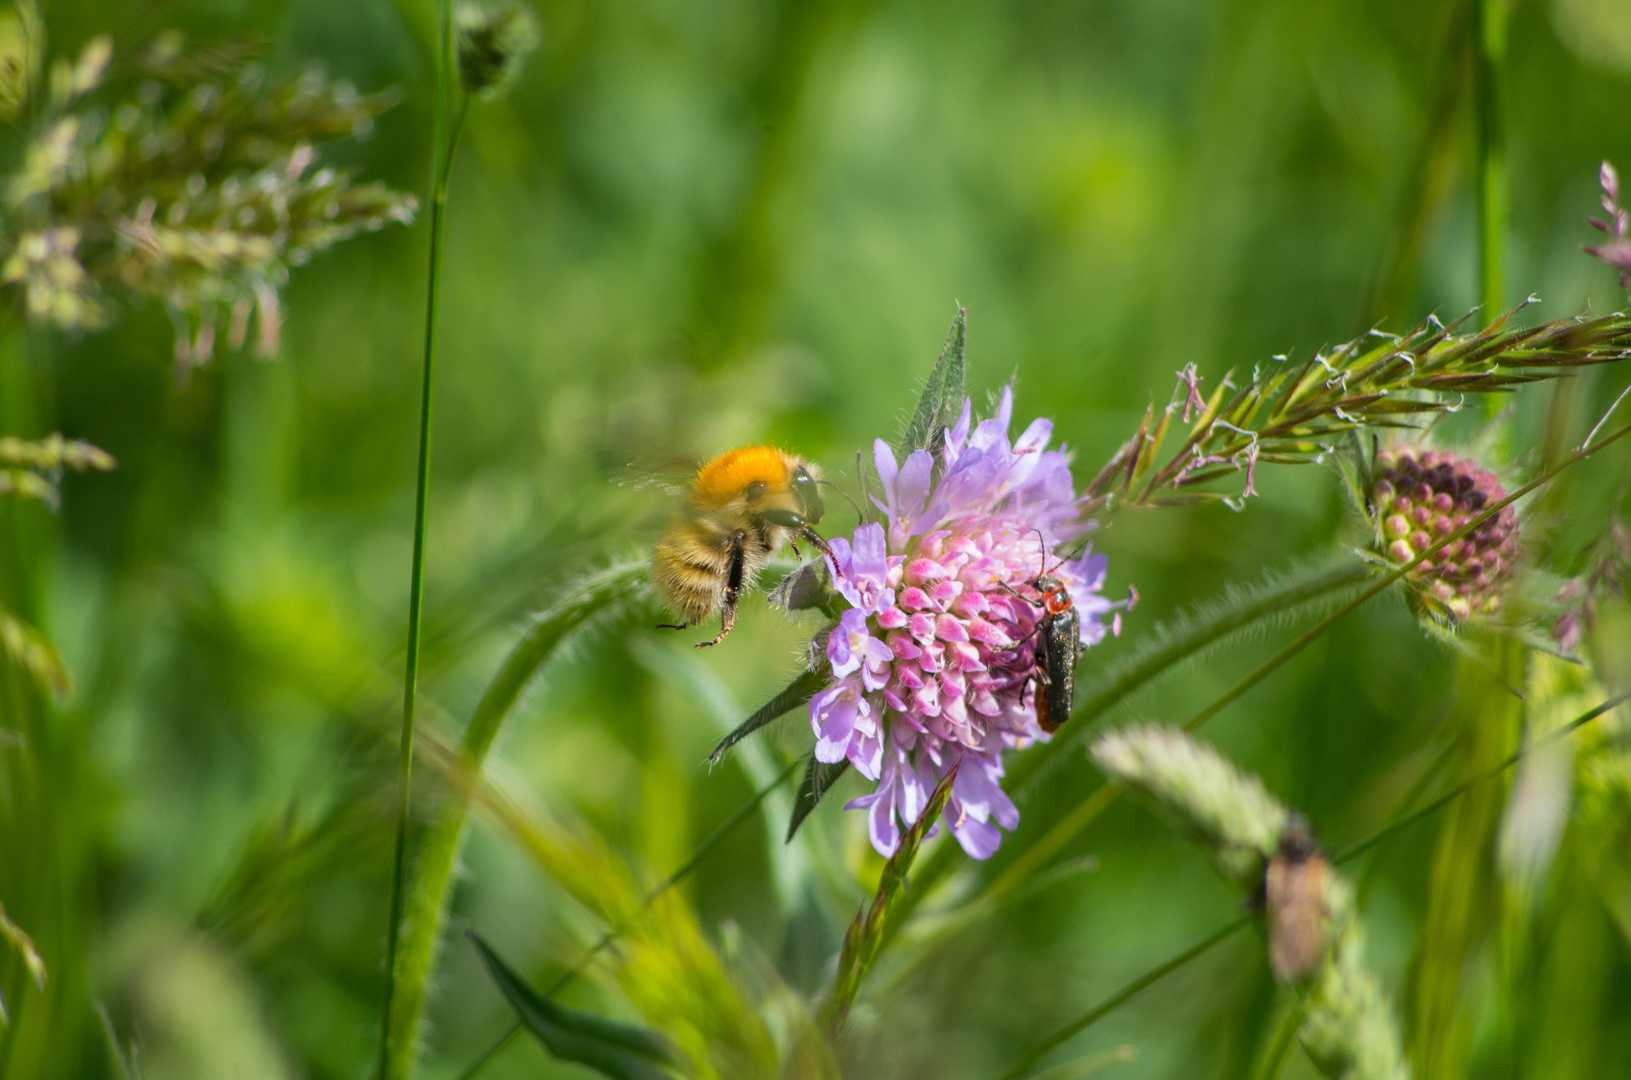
[1124,995]
[396,1042]
[621,1051]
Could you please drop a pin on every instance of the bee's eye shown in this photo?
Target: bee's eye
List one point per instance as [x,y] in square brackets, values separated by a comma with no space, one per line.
[756,488]
[802,476]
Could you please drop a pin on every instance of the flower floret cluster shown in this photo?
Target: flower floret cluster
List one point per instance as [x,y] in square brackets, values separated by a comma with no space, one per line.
[935,660]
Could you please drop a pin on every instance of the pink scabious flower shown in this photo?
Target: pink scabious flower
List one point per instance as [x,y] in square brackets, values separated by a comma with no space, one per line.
[933,662]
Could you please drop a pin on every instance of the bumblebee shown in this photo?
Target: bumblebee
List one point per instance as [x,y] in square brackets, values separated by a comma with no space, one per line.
[741,507]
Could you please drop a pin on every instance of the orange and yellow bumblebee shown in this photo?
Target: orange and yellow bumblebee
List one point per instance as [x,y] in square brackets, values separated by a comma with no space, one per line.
[741,507]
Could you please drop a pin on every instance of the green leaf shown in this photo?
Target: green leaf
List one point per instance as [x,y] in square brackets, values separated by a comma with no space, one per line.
[796,693]
[943,394]
[622,1051]
[866,932]
[819,777]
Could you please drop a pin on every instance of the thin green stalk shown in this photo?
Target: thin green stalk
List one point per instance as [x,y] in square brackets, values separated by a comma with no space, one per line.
[1347,854]
[395,1045]
[1274,1058]
[1387,580]
[1122,996]
[1359,847]
[1491,179]
[1490,77]
[1368,876]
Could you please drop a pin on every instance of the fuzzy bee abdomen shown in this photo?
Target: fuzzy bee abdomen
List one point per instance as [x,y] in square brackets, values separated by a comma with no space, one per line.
[690,565]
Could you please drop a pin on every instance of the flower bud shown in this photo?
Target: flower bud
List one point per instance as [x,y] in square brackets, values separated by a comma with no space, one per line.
[1418,498]
[492,43]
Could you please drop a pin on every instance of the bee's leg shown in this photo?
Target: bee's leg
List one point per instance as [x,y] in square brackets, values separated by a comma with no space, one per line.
[674,626]
[789,519]
[733,588]
[815,540]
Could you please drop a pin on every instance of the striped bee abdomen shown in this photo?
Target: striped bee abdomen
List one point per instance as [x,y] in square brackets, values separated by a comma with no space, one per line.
[691,564]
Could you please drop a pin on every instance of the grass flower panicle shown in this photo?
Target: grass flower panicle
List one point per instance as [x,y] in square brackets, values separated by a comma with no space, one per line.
[200,188]
[1615,252]
[32,468]
[492,44]
[934,661]
[1298,414]
[1417,498]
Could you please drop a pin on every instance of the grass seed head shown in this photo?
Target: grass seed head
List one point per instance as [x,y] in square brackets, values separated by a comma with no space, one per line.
[493,43]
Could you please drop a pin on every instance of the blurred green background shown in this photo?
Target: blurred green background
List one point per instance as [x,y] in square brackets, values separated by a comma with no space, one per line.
[700,223]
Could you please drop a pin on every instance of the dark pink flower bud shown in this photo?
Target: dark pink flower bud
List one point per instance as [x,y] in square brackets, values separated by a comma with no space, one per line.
[1423,497]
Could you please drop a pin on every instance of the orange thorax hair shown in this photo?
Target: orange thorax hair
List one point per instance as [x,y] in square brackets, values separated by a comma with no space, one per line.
[728,475]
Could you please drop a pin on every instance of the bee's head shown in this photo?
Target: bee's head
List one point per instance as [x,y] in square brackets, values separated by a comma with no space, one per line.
[807,493]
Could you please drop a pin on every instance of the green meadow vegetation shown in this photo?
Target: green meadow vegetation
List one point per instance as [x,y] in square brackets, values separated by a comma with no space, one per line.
[1262,717]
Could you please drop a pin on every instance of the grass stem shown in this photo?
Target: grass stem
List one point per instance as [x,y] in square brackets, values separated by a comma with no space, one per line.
[396,1045]
[1490,78]
[1274,1057]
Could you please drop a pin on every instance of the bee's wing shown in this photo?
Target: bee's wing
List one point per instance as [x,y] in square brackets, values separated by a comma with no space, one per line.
[669,478]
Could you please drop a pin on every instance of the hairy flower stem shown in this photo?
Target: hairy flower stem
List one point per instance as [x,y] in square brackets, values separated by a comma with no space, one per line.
[395,1043]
